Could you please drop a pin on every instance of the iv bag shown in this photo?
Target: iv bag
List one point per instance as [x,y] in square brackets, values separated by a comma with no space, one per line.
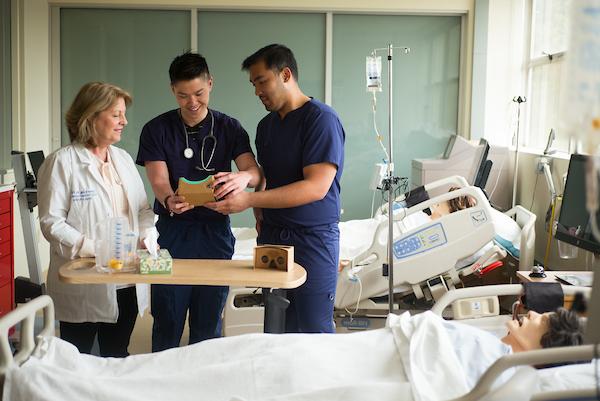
[373,70]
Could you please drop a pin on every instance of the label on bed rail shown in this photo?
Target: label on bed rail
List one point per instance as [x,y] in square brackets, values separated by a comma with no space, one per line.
[422,241]
[478,217]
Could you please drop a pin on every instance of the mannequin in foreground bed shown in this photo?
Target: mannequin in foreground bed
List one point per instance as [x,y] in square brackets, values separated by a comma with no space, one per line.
[536,331]
[391,363]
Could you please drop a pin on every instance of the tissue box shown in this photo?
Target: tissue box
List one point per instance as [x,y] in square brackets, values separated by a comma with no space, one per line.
[149,265]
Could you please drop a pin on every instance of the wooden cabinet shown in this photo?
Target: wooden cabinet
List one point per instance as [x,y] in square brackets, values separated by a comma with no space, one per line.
[7,259]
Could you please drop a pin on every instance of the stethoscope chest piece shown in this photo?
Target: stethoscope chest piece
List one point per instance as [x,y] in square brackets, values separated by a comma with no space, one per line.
[188,152]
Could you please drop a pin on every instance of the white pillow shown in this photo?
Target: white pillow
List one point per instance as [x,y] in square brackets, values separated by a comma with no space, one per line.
[508,232]
[356,236]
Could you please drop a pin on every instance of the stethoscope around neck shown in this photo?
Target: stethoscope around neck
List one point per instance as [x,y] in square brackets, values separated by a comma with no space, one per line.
[188,152]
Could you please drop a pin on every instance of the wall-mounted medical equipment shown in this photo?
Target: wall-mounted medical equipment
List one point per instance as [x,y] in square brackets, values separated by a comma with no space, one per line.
[26,190]
[544,166]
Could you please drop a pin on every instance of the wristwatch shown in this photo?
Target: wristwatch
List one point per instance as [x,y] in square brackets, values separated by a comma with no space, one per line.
[166,205]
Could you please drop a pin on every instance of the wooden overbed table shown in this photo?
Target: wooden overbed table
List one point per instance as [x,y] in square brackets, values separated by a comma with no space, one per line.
[203,272]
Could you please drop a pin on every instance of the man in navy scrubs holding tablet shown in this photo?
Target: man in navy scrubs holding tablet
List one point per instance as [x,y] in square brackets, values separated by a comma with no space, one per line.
[192,142]
[300,147]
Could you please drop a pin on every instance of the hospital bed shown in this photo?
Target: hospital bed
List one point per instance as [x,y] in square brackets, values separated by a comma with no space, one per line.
[426,271]
[366,365]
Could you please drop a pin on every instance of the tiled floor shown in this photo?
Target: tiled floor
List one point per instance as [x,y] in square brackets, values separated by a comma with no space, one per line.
[141,338]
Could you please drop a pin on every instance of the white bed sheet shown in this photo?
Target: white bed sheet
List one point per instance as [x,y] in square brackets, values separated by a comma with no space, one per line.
[412,356]
[570,377]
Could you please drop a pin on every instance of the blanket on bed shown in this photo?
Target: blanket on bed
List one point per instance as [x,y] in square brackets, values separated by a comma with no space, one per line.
[413,358]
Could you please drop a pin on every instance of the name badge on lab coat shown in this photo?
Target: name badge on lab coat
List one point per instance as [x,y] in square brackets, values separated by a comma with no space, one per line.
[83,195]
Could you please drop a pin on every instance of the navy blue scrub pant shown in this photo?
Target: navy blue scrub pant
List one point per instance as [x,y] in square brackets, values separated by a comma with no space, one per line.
[113,338]
[171,303]
[317,250]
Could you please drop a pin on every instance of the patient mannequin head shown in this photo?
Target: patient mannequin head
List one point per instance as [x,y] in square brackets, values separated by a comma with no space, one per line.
[459,203]
[535,331]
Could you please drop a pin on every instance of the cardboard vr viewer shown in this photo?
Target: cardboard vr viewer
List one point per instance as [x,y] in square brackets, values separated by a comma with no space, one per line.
[197,193]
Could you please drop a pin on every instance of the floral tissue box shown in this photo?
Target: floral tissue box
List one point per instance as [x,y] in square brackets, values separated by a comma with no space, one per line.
[162,265]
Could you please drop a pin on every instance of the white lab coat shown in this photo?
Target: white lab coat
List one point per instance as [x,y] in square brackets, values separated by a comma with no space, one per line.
[72,199]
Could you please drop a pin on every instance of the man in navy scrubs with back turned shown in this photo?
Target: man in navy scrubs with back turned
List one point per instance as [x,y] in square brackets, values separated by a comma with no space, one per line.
[193,142]
[300,146]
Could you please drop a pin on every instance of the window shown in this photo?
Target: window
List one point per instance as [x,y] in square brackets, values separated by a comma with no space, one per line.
[549,37]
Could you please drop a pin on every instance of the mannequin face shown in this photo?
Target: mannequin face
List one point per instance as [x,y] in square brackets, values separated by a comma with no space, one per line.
[440,209]
[526,334]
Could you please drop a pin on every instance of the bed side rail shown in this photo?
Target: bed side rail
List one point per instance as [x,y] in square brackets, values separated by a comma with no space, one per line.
[537,357]
[526,220]
[474,192]
[26,315]
[488,290]
[452,181]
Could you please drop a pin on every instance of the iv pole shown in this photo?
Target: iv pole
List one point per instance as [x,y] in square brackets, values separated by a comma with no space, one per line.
[390,181]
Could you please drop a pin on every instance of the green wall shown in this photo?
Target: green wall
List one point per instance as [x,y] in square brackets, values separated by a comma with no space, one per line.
[133,49]
[425,99]
[128,48]
[247,32]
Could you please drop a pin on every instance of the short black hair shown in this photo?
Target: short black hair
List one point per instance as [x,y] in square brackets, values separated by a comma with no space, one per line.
[275,56]
[188,66]
[564,329]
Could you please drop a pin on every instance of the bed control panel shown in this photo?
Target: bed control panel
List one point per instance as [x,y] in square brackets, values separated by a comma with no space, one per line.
[421,241]
[470,308]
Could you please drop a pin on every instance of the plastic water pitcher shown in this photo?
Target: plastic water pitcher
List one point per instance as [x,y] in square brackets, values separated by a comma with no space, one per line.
[115,245]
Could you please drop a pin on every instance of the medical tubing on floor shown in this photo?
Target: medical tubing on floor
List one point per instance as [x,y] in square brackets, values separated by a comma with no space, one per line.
[550,226]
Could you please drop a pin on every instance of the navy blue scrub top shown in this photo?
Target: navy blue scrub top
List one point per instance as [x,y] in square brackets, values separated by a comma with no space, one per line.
[163,139]
[308,135]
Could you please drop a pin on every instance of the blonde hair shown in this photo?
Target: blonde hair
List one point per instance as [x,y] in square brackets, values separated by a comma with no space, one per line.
[92,99]
[461,202]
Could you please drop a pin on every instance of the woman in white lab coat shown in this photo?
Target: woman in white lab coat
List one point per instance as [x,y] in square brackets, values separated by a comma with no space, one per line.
[79,185]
